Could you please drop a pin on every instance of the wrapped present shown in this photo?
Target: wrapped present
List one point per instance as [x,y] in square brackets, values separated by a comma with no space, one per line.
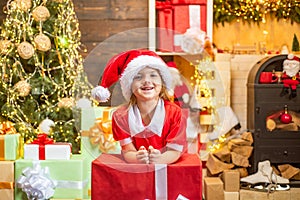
[10,142]
[187,2]
[44,179]
[188,17]
[44,148]
[165,28]
[182,179]
[7,180]
[175,18]
[96,132]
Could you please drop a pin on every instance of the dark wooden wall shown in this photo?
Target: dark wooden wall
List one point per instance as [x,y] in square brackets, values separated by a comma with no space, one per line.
[108,27]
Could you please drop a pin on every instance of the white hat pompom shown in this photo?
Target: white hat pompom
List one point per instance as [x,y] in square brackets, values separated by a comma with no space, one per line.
[100,94]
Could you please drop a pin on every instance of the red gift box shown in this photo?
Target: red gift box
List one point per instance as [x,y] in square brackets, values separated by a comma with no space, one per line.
[184,2]
[165,28]
[174,17]
[113,178]
[185,17]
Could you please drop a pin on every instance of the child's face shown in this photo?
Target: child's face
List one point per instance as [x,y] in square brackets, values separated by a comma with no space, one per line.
[147,84]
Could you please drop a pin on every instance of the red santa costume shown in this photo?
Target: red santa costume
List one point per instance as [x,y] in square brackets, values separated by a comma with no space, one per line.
[167,127]
[290,76]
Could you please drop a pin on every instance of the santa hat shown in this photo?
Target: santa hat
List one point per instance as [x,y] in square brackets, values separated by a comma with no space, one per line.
[293,58]
[124,67]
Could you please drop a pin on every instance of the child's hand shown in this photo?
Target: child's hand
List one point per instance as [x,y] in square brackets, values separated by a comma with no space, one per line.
[142,155]
[154,155]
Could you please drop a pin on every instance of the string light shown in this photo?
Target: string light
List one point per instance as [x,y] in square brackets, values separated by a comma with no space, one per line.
[255,10]
[53,78]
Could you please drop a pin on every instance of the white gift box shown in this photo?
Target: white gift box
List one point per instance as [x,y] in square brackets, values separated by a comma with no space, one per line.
[56,151]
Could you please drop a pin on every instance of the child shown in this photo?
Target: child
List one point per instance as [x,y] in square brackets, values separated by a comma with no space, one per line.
[149,128]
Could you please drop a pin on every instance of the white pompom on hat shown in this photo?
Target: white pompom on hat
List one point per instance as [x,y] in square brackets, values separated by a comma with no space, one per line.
[124,67]
[292,57]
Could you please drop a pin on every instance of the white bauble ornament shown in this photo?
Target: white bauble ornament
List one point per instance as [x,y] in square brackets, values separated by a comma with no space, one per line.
[45,126]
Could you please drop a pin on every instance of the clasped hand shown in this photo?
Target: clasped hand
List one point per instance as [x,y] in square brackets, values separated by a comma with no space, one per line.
[148,156]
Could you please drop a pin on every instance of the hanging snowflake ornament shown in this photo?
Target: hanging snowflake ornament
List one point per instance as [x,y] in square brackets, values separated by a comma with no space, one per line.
[42,42]
[66,102]
[4,46]
[46,125]
[23,5]
[23,88]
[40,13]
[25,50]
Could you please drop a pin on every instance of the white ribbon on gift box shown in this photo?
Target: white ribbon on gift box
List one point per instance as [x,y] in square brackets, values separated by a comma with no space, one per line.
[195,17]
[161,182]
[193,39]
[37,184]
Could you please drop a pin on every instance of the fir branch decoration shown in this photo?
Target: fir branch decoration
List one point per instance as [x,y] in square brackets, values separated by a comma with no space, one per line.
[255,11]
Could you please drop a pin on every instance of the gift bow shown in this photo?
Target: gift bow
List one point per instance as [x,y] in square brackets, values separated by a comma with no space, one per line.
[36,182]
[101,134]
[42,140]
[7,127]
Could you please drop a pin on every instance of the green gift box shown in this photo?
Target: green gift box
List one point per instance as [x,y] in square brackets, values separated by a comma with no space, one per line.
[9,146]
[68,178]
[90,118]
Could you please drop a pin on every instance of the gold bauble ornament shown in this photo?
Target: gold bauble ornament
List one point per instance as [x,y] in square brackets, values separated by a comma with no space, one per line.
[42,42]
[25,50]
[23,88]
[23,5]
[4,45]
[66,102]
[40,13]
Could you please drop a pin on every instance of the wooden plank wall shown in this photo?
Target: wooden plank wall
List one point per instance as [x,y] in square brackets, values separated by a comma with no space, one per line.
[107,27]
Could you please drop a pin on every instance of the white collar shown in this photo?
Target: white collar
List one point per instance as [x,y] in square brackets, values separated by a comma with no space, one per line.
[156,125]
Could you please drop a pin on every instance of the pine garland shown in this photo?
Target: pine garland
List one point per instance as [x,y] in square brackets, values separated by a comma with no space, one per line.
[227,11]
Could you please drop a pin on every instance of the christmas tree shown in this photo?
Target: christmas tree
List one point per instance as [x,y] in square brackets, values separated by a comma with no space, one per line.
[295,45]
[42,70]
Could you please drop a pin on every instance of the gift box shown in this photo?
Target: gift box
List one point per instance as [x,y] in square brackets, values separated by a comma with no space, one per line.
[165,28]
[44,148]
[186,2]
[61,179]
[56,151]
[94,122]
[7,180]
[113,178]
[10,146]
[231,195]
[213,188]
[175,17]
[231,180]
[96,132]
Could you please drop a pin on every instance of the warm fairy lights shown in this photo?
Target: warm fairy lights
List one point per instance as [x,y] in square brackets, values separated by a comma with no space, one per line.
[42,68]
[226,11]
